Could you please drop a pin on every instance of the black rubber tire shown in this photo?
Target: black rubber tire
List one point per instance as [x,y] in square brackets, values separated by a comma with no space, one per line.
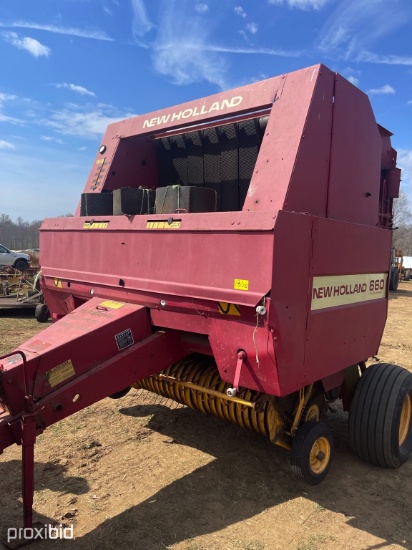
[375,415]
[41,313]
[21,264]
[394,279]
[302,444]
[121,393]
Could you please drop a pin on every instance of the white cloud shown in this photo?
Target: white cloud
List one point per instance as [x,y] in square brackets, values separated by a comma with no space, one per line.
[6,145]
[252,28]
[74,88]
[201,8]
[34,47]
[7,97]
[301,4]
[384,90]
[71,31]
[353,80]
[253,51]
[356,24]
[183,51]
[49,138]
[369,57]
[6,118]
[239,11]
[11,119]
[89,121]
[141,23]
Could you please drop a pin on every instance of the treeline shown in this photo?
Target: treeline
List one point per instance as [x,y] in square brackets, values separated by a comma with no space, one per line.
[402,223]
[19,235]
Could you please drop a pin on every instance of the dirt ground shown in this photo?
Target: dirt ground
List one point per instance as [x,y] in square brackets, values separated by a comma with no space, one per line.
[145,474]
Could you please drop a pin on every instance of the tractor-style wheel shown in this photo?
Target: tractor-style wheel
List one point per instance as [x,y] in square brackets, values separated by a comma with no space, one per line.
[312,449]
[41,313]
[21,264]
[394,279]
[380,416]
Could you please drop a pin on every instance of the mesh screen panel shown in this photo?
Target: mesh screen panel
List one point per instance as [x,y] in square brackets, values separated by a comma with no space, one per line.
[221,158]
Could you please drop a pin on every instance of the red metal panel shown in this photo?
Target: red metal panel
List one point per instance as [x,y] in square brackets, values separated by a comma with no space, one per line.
[210,221]
[289,296]
[227,334]
[340,336]
[85,337]
[355,157]
[197,264]
[343,248]
[343,336]
[282,143]
[253,97]
[308,186]
[259,371]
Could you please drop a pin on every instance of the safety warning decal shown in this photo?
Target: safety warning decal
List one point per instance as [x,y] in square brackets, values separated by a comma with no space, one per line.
[61,373]
[57,283]
[95,225]
[163,225]
[112,304]
[124,339]
[241,284]
[228,309]
[342,290]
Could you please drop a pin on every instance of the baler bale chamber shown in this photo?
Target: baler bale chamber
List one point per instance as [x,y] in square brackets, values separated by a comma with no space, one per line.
[231,253]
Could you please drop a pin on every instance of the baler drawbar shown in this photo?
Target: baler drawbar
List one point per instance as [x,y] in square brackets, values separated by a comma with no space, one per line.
[233,254]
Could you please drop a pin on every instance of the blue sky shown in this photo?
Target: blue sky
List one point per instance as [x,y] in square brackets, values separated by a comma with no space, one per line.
[69,68]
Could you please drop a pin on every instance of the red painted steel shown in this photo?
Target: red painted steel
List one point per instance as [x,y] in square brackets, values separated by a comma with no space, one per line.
[320,154]
[311,243]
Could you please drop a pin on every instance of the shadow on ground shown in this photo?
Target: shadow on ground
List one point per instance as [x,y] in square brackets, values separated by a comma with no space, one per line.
[247,476]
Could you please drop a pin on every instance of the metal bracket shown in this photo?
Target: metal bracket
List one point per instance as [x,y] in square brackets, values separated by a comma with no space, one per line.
[241,358]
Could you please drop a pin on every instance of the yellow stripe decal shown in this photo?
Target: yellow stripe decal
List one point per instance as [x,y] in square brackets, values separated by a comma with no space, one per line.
[95,225]
[162,225]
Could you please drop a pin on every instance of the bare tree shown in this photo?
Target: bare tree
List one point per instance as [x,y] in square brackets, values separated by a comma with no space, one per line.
[402,223]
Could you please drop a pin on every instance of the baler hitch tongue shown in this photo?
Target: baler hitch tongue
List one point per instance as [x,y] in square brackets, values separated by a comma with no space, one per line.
[95,351]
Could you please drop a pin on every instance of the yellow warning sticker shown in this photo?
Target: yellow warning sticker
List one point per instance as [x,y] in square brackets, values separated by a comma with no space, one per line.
[95,225]
[57,283]
[100,161]
[228,309]
[112,304]
[61,373]
[162,225]
[241,284]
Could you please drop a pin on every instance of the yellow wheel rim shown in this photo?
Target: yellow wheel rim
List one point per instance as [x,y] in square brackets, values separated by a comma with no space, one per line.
[319,455]
[405,419]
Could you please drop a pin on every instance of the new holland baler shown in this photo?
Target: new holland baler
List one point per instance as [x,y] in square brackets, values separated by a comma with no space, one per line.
[231,253]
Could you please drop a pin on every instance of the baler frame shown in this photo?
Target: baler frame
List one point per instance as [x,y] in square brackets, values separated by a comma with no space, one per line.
[203,306]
